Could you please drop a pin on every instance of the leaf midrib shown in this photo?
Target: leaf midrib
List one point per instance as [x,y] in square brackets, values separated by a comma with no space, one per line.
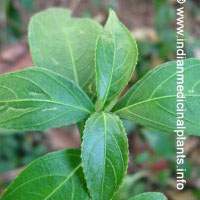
[44,101]
[62,183]
[112,70]
[149,75]
[50,175]
[73,61]
[149,100]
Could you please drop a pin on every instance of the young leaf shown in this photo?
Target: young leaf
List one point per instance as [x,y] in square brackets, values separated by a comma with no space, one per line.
[149,196]
[37,99]
[104,155]
[152,101]
[55,176]
[116,57]
[63,44]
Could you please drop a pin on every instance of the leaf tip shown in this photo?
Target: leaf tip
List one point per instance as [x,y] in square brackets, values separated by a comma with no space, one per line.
[112,17]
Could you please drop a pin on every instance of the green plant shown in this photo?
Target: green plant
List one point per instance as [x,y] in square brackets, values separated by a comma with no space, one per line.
[69,53]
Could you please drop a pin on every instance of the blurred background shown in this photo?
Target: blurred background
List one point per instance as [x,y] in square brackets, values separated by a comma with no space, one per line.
[152,154]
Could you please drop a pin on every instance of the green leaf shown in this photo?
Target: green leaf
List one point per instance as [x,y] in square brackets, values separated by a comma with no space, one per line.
[149,196]
[37,99]
[104,155]
[152,101]
[63,44]
[55,176]
[116,57]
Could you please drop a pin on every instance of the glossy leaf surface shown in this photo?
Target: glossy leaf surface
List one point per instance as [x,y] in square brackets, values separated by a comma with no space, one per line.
[104,155]
[116,57]
[152,101]
[37,99]
[55,176]
[63,44]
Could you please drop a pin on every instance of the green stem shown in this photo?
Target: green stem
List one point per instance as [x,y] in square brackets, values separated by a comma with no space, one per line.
[81,126]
